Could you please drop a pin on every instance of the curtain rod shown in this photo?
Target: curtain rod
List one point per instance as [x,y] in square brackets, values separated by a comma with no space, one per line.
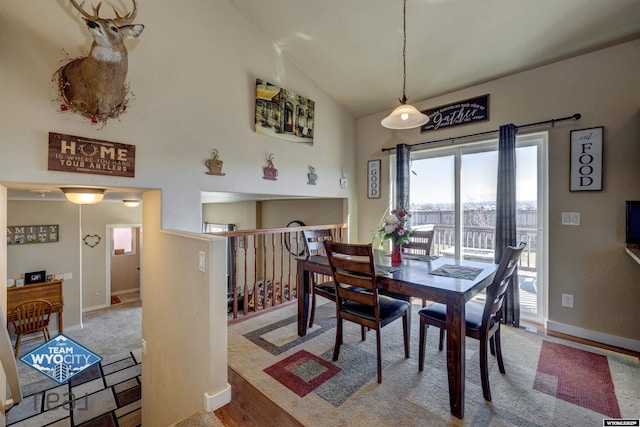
[552,121]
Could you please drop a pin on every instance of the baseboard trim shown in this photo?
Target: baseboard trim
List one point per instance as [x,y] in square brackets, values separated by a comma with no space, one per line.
[599,337]
[95,307]
[126,291]
[217,400]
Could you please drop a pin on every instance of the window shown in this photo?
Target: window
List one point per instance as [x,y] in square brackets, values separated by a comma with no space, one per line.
[124,241]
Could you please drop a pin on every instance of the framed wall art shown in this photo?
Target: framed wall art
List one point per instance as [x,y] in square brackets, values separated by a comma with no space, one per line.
[586,159]
[373,179]
[283,114]
[23,234]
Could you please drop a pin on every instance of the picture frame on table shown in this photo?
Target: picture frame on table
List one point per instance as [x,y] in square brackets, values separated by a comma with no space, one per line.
[586,157]
[35,277]
[373,179]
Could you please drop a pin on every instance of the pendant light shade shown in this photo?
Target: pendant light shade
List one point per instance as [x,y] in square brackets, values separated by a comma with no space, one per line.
[84,196]
[406,116]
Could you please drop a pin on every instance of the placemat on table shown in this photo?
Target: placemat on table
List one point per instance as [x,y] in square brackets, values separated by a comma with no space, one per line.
[457,271]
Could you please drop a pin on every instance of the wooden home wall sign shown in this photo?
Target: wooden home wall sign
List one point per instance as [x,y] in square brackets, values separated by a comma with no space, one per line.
[85,155]
[23,234]
[459,113]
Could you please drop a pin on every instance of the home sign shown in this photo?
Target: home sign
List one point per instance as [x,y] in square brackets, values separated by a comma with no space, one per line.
[86,155]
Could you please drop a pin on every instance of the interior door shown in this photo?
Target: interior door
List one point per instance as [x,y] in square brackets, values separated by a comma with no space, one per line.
[125,260]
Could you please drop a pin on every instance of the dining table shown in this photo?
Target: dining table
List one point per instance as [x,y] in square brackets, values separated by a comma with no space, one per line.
[449,281]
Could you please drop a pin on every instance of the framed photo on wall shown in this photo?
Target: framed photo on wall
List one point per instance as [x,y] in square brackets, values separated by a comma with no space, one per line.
[373,179]
[586,159]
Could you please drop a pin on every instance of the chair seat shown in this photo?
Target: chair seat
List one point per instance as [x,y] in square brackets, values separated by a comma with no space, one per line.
[389,308]
[326,289]
[438,312]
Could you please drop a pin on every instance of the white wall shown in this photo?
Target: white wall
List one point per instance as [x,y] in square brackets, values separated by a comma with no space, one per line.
[193,73]
[184,321]
[3,291]
[95,218]
[62,256]
[587,261]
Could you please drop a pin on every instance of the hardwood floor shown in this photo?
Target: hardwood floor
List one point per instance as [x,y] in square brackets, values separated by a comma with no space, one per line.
[249,407]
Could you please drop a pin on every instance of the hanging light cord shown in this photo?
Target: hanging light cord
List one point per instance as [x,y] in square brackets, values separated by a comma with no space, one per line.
[404,54]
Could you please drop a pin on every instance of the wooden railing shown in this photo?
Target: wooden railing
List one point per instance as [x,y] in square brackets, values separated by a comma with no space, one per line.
[262,269]
[483,239]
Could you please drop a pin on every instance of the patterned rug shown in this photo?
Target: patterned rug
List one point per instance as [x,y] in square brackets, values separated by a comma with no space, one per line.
[105,395]
[577,376]
[549,381]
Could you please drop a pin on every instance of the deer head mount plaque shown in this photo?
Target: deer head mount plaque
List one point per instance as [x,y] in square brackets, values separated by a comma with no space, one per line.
[95,85]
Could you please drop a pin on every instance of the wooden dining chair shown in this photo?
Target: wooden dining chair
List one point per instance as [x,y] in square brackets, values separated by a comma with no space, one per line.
[482,323]
[357,299]
[314,245]
[420,243]
[28,318]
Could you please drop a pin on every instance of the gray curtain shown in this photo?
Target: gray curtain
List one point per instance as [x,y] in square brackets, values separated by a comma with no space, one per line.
[403,153]
[506,216]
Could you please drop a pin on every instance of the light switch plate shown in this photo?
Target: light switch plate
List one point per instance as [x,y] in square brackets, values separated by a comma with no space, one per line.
[570,218]
[201,261]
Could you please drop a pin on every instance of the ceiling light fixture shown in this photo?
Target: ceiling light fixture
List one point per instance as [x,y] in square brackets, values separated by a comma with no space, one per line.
[84,196]
[405,116]
[130,203]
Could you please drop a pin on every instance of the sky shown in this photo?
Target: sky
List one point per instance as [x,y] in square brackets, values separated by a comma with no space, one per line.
[433,178]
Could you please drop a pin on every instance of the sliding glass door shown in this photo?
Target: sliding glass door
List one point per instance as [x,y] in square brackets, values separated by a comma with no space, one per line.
[453,191]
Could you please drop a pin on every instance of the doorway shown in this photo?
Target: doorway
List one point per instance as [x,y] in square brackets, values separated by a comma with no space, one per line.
[454,191]
[123,253]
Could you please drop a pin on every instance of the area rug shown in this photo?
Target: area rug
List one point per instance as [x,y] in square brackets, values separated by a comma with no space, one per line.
[106,395]
[545,384]
[572,374]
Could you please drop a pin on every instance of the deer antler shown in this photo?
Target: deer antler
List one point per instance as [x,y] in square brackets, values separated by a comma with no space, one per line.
[128,18]
[80,8]
[119,20]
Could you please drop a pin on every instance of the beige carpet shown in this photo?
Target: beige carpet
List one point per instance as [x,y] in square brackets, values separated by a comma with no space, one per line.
[299,375]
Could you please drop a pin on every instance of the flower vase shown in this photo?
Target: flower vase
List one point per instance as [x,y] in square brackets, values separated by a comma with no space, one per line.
[396,254]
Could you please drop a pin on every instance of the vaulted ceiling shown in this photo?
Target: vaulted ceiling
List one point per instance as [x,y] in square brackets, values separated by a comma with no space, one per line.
[353,48]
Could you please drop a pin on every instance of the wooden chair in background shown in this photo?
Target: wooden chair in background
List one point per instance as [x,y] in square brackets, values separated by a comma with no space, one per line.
[420,243]
[357,299]
[314,244]
[30,317]
[482,323]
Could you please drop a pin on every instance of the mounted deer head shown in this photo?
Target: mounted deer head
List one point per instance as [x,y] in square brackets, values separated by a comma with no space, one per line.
[95,85]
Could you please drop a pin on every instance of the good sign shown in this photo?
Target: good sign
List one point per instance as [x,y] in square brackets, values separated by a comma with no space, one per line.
[85,155]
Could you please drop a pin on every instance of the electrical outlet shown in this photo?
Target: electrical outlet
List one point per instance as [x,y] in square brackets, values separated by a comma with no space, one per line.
[567,300]
[96,296]
[67,276]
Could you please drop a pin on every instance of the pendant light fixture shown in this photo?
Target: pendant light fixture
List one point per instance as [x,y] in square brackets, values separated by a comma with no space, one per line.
[406,116]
